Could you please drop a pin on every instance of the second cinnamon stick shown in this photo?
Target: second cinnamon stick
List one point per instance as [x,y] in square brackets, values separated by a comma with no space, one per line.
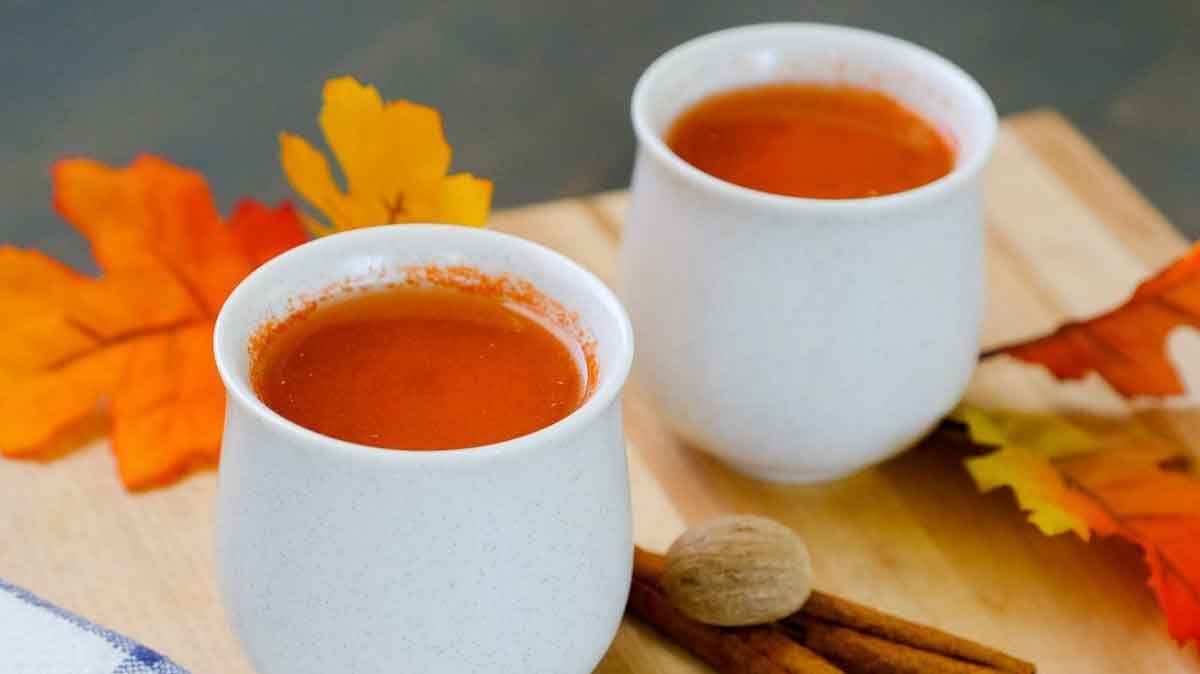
[864,619]
[865,654]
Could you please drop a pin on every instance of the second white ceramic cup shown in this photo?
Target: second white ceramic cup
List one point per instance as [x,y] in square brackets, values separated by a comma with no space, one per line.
[337,558]
[802,339]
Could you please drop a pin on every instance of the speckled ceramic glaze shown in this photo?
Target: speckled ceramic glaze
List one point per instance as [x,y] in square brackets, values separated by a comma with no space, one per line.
[803,339]
[336,558]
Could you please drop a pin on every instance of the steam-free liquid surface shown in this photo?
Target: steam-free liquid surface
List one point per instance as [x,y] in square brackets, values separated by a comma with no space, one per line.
[418,369]
[811,140]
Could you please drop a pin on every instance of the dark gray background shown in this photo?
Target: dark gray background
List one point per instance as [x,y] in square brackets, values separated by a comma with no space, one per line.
[534,93]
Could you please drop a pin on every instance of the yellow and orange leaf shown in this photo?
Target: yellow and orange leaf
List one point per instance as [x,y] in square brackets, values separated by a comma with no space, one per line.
[1127,345]
[1114,482]
[135,342]
[394,157]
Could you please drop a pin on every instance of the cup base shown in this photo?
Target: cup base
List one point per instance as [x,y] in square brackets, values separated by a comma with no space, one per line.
[788,477]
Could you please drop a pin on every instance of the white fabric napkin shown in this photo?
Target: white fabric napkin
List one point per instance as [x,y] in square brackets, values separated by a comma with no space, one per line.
[37,637]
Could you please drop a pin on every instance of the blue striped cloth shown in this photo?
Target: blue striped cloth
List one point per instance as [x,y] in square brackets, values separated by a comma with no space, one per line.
[37,637]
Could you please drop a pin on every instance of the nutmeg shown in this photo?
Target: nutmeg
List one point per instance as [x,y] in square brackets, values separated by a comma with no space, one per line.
[738,570]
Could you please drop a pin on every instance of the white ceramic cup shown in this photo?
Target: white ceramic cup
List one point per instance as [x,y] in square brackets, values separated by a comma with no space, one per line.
[803,339]
[336,558]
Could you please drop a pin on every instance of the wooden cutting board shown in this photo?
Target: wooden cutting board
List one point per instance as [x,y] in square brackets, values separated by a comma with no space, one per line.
[1067,236]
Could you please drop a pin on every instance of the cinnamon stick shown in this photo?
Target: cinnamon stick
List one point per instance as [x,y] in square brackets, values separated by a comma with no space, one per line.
[862,653]
[864,640]
[648,565]
[781,649]
[845,613]
[755,650]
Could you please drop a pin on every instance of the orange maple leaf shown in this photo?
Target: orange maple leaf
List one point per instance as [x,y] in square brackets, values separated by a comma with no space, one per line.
[1127,345]
[1156,509]
[135,342]
[1114,481]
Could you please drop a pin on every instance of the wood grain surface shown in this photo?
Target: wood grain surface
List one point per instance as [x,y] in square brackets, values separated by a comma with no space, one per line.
[1067,236]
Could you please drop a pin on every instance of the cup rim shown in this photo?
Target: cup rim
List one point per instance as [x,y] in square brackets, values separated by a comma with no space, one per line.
[961,172]
[239,390]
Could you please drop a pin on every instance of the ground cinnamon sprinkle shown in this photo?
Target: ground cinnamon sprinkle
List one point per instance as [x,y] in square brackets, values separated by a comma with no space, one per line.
[513,290]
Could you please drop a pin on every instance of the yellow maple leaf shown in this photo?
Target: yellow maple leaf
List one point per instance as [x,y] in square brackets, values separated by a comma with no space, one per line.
[1103,477]
[1026,445]
[395,160]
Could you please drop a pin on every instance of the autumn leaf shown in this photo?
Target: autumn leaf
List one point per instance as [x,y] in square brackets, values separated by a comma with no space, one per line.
[1114,481]
[394,157]
[1127,345]
[136,342]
